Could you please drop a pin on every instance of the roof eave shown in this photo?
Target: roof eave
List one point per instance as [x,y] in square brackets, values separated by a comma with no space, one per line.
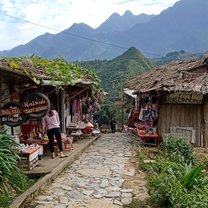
[61,83]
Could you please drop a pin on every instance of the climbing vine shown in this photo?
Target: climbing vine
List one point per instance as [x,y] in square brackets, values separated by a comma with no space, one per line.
[55,70]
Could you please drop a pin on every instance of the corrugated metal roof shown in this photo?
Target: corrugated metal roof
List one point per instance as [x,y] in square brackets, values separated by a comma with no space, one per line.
[129,92]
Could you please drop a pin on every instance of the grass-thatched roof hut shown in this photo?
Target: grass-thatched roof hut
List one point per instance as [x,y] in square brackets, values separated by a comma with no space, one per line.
[60,80]
[182,91]
[190,76]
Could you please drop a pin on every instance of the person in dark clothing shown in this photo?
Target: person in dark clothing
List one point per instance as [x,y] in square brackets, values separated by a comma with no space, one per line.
[113,125]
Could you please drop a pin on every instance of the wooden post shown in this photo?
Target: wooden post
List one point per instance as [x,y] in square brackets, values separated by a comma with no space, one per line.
[62,113]
[122,107]
[1,90]
[205,114]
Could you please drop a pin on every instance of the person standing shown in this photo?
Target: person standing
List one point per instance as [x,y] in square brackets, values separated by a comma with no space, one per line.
[113,125]
[51,126]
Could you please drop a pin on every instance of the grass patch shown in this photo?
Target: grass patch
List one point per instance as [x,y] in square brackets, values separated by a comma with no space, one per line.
[144,166]
[5,201]
[136,204]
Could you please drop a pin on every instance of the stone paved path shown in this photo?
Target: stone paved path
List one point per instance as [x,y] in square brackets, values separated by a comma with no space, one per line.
[95,179]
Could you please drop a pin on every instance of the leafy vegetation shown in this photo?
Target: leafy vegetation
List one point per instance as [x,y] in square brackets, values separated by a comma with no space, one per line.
[136,204]
[114,73]
[143,166]
[104,115]
[124,67]
[56,70]
[174,187]
[177,182]
[178,151]
[194,177]
[12,180]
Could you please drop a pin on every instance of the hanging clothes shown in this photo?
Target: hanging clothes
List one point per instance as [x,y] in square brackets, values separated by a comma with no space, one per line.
[75,105]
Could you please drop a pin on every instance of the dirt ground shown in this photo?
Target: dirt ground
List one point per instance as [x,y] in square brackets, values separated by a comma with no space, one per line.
[138,182]
[201,154]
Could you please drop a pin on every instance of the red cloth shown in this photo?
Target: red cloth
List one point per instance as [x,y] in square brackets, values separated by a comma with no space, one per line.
[88,129]
[27,128]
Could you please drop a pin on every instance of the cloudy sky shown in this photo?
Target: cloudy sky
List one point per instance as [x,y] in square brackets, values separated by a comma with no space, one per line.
[23,20]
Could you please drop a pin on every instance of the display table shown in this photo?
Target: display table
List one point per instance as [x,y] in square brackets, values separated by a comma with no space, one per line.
[151,139]
[72,129]
[40,142]
[76,135]
[29,158]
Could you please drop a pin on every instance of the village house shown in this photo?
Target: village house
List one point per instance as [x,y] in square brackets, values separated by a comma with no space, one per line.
[173,99]
[28,86]
[74,92]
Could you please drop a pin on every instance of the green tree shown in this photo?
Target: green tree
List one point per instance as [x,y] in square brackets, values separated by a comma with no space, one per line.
[106,112]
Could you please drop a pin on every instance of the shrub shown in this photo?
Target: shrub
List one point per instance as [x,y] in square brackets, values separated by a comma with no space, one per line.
[144,166]
[136,204]
[194,177]
[164,165]
[178,151]
[12,180]
[163,183]
[176,180]
[5,200]
[176,185]
[177,188]
[8,160]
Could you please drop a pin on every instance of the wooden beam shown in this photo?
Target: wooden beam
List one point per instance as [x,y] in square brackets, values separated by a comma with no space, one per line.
[79,93]
[18,92]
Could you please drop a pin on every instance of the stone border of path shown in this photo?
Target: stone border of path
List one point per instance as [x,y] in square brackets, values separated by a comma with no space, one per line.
[27,196]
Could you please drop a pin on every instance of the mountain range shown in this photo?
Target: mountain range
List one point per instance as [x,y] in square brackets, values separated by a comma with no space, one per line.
[113,73]
[180,27]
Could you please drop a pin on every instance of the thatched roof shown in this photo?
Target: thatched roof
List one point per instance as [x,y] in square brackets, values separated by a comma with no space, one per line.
[57,72]
[39,69]
[178,76]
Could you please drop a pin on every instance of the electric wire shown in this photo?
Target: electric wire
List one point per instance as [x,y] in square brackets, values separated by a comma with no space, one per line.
[75,35]
[68,33]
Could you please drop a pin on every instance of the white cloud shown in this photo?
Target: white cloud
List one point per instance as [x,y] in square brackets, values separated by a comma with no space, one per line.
[61,14]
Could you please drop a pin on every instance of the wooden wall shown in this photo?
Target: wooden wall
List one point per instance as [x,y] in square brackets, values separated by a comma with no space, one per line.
[205,120]
[183,115]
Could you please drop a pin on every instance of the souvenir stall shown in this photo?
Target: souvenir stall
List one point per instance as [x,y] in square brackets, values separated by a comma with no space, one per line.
[173,101]
[30,136]
[19,114]
[26,94]
[79,108]
[144,116]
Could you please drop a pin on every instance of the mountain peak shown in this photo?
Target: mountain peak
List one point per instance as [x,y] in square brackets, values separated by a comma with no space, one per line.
[79,25]
[79,28]
[131,53]
[182,26]
[126,66]
[128,13]
[114,15]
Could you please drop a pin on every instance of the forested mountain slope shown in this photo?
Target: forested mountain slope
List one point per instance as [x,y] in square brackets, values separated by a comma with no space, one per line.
[130,64]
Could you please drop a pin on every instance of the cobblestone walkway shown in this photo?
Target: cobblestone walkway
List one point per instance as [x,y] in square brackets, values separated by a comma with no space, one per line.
[94,180]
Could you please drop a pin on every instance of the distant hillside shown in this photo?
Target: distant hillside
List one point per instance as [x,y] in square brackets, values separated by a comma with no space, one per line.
[80,41]
[178,55]
[180,27]
[130,64]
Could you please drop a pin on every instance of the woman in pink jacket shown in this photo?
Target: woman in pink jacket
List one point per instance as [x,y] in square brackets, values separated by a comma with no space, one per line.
[51,126]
